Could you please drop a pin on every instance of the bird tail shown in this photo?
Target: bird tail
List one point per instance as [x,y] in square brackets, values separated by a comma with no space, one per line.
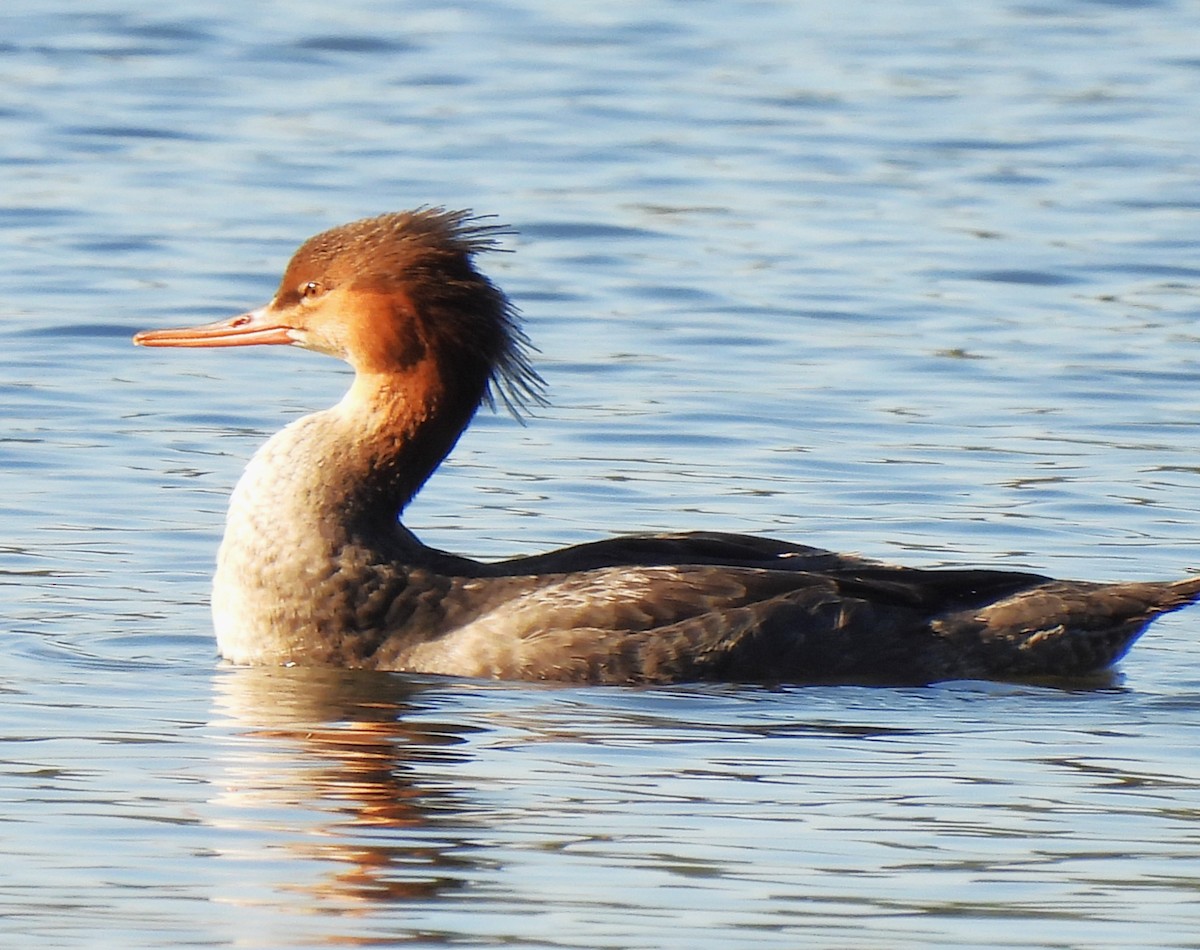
[1063,628]
[1188,590]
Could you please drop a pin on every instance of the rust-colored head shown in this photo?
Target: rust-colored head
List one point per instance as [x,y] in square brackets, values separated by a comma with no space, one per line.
[388,294]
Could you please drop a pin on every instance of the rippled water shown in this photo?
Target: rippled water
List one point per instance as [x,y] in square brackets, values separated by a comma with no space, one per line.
[909,279]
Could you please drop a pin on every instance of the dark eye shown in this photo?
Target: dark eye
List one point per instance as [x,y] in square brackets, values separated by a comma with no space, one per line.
[311,290]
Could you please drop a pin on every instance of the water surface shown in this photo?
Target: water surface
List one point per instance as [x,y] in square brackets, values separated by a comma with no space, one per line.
[917,281]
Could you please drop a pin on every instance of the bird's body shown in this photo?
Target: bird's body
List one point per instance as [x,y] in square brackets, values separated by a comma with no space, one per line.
[317,569]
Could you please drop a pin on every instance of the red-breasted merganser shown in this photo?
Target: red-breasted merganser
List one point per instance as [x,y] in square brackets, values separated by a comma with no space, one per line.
[316,568]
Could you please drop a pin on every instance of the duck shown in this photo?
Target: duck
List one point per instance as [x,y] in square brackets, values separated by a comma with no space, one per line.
[316,567]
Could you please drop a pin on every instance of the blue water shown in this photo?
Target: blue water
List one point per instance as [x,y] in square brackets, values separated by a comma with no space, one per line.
[917,280]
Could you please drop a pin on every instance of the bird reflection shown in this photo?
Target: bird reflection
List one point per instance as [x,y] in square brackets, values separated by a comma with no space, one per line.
[335,762]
